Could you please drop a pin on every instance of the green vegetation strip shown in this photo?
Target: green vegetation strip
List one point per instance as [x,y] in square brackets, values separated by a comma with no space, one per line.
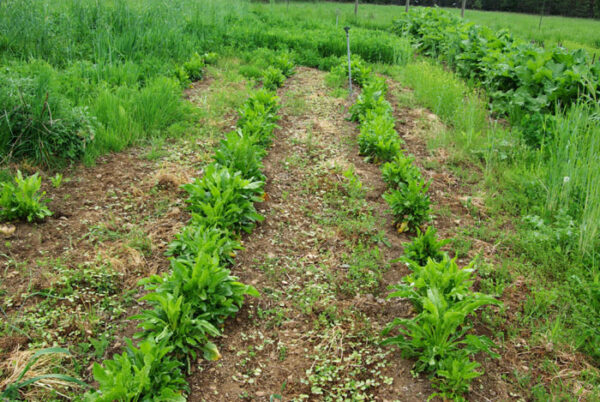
[84,78]
[524,82]
[441,293]
[190,304]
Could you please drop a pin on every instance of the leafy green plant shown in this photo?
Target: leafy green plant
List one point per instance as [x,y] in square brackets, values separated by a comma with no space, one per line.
[410,205]
[438,336]
[361,72]
[400,171]
[22,199]
[175,320]
[273,78]
[210,58]
[196,239]
[266,100]
[439,331]
[181,75]
[378,139]
[209,288]
[258,117]
[11,391]
[455,376]
[284,61]
[145,373]
[240,152]
[524,81]
[372,99]
[453,283]
[224,199]
[425,247]
[194,67]
[56,180]
[353,185]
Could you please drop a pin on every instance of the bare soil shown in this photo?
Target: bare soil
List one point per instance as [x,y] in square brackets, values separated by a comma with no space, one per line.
[278,256]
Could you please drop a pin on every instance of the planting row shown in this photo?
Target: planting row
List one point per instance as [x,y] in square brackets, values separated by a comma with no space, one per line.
[189,304]
[43,122]
[438,336]
[525,82]
[77,92]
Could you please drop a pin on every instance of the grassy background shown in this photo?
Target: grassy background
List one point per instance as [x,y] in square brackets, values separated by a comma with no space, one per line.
[572,33]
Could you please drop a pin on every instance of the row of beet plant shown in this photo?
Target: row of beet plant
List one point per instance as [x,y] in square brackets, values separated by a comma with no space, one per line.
[190,303]
[523,81]
[439,335]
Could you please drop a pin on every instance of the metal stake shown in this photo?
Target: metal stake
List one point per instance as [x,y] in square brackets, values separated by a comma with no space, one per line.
[347,29]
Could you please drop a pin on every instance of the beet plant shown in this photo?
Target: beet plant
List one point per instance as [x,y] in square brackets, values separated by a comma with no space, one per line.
[410,205]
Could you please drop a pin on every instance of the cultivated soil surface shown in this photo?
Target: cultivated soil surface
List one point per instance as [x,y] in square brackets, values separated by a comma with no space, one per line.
[321,260]
[316,329]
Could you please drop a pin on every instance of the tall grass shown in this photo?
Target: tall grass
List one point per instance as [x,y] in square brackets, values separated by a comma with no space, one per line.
[117,57]
[450,99]
[570,170]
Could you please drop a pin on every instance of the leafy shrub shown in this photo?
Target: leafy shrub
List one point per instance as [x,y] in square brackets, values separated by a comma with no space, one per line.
[22,199]
[273,78]
[240,152]
[174,319]
[146,373]
[209,288]
[410,205]
[378,139]
[194,67]
[224,199]
[425,247]
[195,239]
[400,171]
[38,123]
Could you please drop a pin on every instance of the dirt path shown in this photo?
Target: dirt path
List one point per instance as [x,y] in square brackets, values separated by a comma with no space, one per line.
[321,266]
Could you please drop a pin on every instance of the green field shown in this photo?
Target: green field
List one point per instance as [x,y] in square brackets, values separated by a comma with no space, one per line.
[572,33]
[194,207]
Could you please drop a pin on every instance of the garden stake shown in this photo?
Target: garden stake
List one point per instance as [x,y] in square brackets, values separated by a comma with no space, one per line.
[347,29]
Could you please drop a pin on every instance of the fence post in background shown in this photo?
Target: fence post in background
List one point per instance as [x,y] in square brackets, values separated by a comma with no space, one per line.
[356,8]
[347,29]
[462,10]
[542,15]
[337,16]
[407,4]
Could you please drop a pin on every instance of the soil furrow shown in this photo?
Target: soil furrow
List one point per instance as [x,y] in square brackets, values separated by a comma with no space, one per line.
[321,263]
